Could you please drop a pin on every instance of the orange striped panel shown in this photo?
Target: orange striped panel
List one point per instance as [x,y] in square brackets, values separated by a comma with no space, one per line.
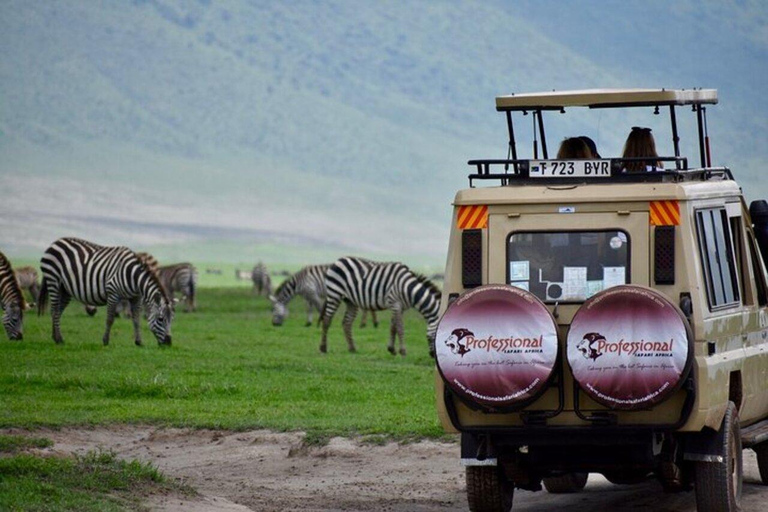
[665,213]
[473,217]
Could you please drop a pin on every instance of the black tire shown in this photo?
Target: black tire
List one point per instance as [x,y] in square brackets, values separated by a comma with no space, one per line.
[762,460]
[718,483]
[488,489]
[566,484]
[626,477]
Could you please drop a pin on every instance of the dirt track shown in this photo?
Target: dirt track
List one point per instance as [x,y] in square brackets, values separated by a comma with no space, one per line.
[264,471]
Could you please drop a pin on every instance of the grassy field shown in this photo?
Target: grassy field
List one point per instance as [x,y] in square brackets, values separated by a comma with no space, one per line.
[228,368]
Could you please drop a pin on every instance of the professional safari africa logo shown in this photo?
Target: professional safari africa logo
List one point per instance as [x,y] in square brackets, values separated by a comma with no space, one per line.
[628,347]
[497,346]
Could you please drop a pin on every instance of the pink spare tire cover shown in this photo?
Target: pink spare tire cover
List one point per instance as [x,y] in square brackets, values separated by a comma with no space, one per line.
[496,346]
[629,347]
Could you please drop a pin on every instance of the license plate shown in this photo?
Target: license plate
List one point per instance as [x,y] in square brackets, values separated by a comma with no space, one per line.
[569,169]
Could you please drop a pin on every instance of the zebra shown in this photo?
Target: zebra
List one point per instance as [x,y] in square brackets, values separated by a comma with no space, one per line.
[309,282]
[261,280]
[375,286]
[96,275]
[27,277]
[180,277]
[11,301]
[124,306]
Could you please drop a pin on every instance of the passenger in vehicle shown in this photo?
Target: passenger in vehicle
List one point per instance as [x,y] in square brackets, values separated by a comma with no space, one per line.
[591,144]
[574,147]
[640,143]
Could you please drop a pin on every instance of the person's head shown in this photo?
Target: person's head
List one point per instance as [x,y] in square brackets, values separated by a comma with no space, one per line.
[640,143]
[591,145]
[573,147]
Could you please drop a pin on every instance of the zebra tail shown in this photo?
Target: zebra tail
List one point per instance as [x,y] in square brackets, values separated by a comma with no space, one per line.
[42,298]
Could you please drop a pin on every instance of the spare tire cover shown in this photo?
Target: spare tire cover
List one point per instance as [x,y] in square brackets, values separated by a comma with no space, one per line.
[496,346]
[629,347]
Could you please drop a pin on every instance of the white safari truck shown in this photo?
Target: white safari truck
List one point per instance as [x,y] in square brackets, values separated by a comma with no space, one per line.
[602,320]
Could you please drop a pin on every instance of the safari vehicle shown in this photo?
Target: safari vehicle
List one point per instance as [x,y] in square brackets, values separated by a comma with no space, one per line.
[605,321]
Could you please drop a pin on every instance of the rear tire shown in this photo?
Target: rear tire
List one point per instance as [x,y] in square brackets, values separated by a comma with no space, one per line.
[488,489]
[566,484]
[718,484]
[762,460]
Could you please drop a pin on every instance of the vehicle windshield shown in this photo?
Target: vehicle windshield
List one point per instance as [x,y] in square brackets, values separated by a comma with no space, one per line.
[567,266]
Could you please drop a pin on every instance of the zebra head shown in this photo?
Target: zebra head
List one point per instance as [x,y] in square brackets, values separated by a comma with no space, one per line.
[12,321]
[279,311]
[159,316]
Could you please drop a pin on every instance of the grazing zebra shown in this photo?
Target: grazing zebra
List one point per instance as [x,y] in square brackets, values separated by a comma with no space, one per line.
[27,277]
[261,281]
[376,286]
[98,276]
[11,300]
[309,282]
[181,277]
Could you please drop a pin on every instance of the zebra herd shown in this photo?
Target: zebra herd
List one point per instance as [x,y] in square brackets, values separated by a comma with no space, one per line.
[123,280]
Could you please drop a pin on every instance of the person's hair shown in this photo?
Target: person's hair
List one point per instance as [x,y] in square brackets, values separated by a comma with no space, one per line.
[574,147]
[640,143]
[591,144]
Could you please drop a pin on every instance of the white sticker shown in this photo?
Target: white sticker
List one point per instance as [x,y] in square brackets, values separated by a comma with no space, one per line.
[616,243]
[613,276]
[519,271]
[622,236]
[522,284]
[593,287]
[567,209]
[575,283]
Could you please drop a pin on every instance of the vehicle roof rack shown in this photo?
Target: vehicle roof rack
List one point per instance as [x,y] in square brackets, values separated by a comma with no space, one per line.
[517,172]
[605,98]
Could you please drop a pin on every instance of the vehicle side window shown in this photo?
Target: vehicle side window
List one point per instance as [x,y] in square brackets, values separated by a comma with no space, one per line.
[717,257]
[762,296]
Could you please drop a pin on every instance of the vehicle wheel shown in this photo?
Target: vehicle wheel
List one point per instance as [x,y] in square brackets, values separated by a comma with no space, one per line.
[626,477]
[564,484]
[718,484]
[488,489]
[762,460]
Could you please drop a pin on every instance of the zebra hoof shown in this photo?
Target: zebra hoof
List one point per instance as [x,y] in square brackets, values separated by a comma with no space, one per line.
[323,349]
[105,341]
[402,352]
[391,350]
[59,341]
[137,342]
[352,349]
[308,324]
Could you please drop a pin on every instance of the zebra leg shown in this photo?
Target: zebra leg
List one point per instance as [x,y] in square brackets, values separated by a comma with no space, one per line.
[310,308]
[392,334]
[136,317]
[111,307]
[349,320]
[374,319]
[396,329]
[401,333]
[327,315]
[363,319]
[59,301]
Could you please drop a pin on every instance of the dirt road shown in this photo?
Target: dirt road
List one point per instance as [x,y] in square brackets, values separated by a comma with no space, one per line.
[264,471]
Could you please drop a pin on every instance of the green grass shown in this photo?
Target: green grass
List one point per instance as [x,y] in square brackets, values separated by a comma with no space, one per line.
[228,368]
[13,444]
[97,481]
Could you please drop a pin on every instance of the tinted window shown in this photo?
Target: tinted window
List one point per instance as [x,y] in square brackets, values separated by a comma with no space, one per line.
[568,266]
[717,257]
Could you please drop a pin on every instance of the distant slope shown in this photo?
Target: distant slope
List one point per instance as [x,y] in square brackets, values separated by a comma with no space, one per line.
[343,122]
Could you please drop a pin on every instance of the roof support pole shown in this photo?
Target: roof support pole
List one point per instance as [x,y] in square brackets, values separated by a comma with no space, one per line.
[701,134]
[511,129]
[541,133]
[675,137]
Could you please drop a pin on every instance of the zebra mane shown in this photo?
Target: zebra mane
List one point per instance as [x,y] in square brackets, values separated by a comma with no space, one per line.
[284,284]
[432,287]
[154,279]
[15,288]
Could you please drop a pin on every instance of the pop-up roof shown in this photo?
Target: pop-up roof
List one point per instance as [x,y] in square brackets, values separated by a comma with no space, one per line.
[602,98]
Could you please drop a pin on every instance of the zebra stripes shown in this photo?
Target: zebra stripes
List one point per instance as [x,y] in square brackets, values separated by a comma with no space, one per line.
[309,282]
[376,286]
[181,277]
[98,276]
[261,280]
[11,300]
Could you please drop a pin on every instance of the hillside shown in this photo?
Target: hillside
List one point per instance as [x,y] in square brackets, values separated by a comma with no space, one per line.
[341,124]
